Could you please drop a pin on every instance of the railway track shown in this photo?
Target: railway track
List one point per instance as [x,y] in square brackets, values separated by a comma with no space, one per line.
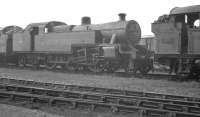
[114,100]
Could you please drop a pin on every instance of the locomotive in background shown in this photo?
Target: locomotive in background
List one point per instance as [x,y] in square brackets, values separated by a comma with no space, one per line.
[177,38]
[95,47]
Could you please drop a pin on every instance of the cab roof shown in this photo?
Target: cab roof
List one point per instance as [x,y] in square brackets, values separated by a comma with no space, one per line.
[11,29]
[185,10]
[43,24]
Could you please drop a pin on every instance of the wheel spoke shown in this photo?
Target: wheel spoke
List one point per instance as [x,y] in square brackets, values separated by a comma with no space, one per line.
[95,68]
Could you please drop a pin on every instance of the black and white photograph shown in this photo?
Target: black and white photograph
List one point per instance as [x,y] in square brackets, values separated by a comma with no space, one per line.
[105,58]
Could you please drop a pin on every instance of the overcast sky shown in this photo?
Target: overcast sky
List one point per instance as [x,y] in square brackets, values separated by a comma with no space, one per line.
[23,12]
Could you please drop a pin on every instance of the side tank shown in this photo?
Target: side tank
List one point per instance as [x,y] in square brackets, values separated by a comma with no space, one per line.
[120,30]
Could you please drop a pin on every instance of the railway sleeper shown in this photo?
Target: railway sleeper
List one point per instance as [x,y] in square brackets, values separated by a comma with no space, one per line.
[93,97]
[178,102]
[141,103]
[182,102]
[82,88]
[87,103]
[127,93]
[58,90]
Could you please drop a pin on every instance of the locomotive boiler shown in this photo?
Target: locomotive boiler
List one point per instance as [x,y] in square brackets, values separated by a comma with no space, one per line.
[120,31]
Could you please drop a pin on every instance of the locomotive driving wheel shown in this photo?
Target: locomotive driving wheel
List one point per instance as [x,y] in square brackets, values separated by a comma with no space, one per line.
[110,67]
[98,67]
[194,72]
[22,61]
[144,65]
[144,69]
[130,67]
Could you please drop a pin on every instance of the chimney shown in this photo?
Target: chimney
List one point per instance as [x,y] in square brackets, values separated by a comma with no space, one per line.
[122,17]
[85,20]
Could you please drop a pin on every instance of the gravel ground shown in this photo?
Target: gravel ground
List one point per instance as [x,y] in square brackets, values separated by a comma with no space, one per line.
[13,111]
[20,111]
[185,88]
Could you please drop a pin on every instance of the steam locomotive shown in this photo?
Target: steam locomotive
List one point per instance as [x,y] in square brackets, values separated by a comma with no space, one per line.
[95,47]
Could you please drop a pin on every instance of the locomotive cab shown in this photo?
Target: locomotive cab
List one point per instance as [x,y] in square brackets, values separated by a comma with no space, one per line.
[188,23]
[178,39]
[7,42]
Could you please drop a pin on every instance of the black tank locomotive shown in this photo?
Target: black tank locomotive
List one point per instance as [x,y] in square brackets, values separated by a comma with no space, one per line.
[96,47]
